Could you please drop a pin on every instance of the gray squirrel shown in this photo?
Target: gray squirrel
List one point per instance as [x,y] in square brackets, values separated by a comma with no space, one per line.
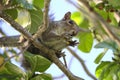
[57,36]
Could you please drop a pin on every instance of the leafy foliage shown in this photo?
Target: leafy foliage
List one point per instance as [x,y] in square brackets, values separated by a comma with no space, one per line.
[36,62]
[100,56]
[12,12]
[30,14]
[38,3]
[35,20]
[115,3]
[108,71]
[35,14]
[10,71]
[109,44]
[77,17]
[24,4]
[42,76]
[85,38]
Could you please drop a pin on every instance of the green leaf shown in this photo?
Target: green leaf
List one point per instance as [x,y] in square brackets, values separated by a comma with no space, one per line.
[103,13]
[46,76]
[113,20]
[108,71]
[118,74]
[25,4]
[84,24]
[14,69]
[86,42]
[42,77]
[77,17]
[23,17]
[38,77]
[115,3]
[38,3]
[100,56]
[114,70]
[9,70]
[14,2]
[37,62]
[107,15]
[2,59]
[36,20]
[12,13]
[100,68]
[107,44]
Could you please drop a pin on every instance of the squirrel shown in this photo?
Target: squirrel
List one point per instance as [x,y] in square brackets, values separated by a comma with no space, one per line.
[57,36]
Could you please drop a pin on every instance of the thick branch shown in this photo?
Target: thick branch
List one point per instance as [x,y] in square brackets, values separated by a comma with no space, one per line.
[49,52]
[82,63]
[17,26]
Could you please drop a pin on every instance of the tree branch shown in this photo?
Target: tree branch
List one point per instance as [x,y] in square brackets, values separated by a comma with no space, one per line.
[95,17]
[63,75]
[51,53]
[45,14]
[45,25]
[82,63]
[15,25]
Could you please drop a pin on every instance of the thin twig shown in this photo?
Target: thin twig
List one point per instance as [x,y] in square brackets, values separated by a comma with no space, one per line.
[63,75]
[82,63]
[95,17]
[51,53]
[105,25]
[21,52]
[45,24]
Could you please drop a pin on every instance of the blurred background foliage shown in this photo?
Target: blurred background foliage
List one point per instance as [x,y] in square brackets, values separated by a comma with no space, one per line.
[29,14]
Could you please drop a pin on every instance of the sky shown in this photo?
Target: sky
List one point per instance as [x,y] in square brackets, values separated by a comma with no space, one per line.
[59,8]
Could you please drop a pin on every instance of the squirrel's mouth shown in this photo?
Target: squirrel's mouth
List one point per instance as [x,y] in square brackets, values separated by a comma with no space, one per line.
[74,33]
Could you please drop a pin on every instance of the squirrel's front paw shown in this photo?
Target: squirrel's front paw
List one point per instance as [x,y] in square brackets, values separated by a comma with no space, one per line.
[73,43]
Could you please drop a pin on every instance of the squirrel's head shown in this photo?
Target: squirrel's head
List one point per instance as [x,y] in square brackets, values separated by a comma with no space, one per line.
[70,26]
[65,26]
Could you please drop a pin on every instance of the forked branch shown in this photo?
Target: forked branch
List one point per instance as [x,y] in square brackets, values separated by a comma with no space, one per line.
[51,53]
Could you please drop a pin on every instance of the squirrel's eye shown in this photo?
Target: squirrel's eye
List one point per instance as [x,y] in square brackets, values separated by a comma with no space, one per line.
[71,22]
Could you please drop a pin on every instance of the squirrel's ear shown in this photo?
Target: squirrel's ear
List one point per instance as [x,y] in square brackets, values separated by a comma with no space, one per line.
[67,16]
